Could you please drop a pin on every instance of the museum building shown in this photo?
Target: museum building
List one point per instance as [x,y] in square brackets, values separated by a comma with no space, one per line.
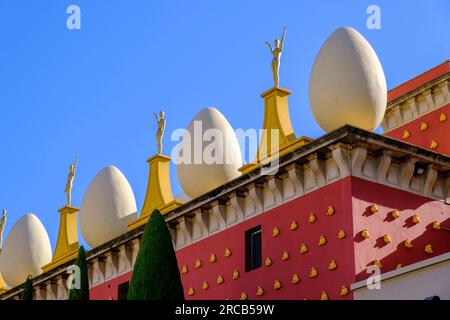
[352,214]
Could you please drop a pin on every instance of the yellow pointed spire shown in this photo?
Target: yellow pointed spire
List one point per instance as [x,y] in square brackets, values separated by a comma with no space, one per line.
[3,286]
[66,247]
[159,191]
[276,116]
[277,136]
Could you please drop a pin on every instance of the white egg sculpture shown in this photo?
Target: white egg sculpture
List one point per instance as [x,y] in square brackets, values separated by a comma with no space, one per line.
[209,154]
[347,83]
[26,249]
[107,207]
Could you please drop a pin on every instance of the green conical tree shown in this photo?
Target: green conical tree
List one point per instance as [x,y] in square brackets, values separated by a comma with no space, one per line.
[27,293]
[81,293]
[155,274]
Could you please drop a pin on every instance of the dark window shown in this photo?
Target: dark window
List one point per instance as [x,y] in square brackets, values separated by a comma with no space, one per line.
[123,291]
[253,250]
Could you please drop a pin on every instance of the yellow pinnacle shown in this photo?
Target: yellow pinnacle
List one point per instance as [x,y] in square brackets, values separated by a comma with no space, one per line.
[3,287]
[159,191]
[277,136]
[66,247]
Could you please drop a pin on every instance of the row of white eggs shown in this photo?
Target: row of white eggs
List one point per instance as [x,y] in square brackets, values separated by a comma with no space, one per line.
[347,86]
[107,208]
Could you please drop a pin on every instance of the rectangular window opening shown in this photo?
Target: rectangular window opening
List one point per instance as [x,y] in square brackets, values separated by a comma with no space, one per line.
[253,249]
[123,291]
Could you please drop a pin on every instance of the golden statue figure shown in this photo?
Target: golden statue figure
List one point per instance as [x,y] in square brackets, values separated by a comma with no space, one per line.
[2,227]
[160,132]
[69,184]
[276,53]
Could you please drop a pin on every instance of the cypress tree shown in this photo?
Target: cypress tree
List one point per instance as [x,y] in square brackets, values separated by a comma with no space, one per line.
[155,275]
[81,293]
[27,293]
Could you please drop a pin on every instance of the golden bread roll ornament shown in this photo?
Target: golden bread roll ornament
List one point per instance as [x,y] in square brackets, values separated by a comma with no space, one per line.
[293,226]
[275,232]
[295,279]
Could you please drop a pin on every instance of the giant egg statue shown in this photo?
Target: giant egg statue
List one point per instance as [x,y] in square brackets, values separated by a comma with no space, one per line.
[204,161]
[107,207]
[26,249]
[347,83]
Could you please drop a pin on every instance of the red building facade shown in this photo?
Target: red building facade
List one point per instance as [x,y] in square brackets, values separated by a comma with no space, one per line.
[338,206]
[356,204]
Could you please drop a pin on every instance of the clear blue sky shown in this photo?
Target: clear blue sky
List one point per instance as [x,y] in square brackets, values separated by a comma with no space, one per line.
[91,92]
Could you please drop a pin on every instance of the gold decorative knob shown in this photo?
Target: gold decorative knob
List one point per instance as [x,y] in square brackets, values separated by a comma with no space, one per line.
[227,253]
[322,241]
[365,234]
[429,248]
[330,211]
[387,239]
[406,134]
[324,296]
[294,225]
[191,291]
[243,296]
[408,243]
[285,256]
[434,144]
[277,285]
[236,275]
[303,248]
[341,234]
[198,263]
[212,258]
[423,126]
[268,262]
[313,273]
[415,219]
[276,232]
[344,291]
[205,285]
[184,269]
[295,279]
[312,218]
[442,117]
[395,214]
[220,279]
[377,263]
[259,291]
[436,225]
[374,208]
[332,265]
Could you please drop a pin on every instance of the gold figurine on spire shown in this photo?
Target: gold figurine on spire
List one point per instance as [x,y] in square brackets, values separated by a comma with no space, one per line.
[2,228]
[69,184]
[276,53]
[159,192]
[161,121]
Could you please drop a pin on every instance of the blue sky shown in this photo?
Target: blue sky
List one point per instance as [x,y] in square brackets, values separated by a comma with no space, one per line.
[92,92]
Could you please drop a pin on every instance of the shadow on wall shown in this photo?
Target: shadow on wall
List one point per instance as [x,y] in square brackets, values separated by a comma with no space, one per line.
[387,229]
[438,239]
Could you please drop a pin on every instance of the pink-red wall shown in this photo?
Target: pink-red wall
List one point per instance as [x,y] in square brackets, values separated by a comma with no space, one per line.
[336,195]
[437,130]
[351,198]
[380,223]
[109,289]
